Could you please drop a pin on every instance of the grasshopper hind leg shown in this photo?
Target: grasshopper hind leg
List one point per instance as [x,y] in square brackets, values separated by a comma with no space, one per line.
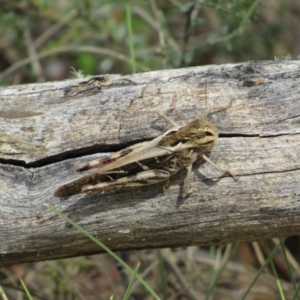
[143,178]
[218,168]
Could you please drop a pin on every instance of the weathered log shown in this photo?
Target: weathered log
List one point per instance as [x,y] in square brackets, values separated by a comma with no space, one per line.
[46,128]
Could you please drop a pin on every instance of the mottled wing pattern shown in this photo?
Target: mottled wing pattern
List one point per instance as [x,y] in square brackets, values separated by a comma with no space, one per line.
[117,178]
[107,159]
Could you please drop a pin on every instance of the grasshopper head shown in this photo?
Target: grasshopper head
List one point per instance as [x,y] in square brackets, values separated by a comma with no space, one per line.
[199,134]
[203,134]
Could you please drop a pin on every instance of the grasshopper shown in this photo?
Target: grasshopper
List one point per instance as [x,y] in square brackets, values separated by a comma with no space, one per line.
[150,162]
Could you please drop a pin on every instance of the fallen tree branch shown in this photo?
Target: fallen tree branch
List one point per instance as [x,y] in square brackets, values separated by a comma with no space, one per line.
[47,128]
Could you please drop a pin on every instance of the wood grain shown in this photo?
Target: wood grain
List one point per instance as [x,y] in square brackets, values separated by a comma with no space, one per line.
[46,128]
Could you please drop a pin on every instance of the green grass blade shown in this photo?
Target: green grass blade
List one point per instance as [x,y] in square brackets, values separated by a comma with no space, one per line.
[274,271]
[2,294]
[100,244]
[216,280]
[260,271]
[282,246]
[26,290]
[162,274]
[130,36]
[128,291]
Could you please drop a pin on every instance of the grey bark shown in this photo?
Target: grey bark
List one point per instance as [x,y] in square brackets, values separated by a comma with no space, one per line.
[46,128]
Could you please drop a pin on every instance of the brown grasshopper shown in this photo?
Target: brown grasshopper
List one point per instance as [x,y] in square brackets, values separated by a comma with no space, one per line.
[149,162]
